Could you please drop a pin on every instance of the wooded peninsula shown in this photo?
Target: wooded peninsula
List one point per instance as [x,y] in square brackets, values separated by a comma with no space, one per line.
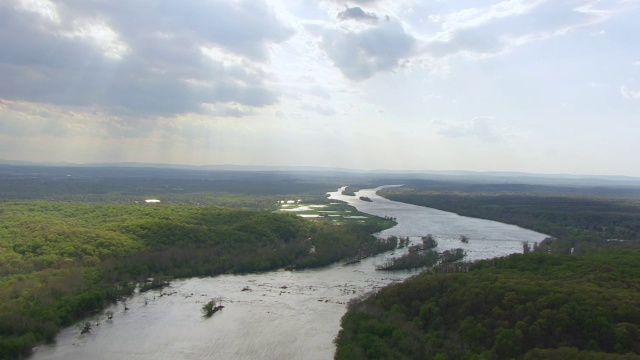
[573,296]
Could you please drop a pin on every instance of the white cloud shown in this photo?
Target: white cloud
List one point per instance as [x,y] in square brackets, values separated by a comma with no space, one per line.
[474,17]
[496,29]
[45,8]
[629,94]
[102,35]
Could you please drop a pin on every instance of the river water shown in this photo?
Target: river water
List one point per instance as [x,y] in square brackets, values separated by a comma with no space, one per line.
[284,314]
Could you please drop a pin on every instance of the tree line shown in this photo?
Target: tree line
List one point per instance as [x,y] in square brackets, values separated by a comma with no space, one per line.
[530,306]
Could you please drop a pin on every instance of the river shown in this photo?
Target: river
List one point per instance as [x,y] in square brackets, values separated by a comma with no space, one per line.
[274,315]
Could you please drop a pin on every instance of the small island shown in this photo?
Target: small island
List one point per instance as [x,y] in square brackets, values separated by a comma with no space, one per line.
[365,198]
[211,308]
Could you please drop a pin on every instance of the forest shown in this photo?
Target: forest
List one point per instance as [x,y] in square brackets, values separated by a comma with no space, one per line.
[60,261]
[534,306]
[573,296]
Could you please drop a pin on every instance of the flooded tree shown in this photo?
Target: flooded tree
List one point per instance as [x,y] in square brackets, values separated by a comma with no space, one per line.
[526,247]
[211,308]
[85,328]
[429,242]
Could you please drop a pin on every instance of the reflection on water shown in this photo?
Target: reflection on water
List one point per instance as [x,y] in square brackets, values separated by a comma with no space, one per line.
[284,315]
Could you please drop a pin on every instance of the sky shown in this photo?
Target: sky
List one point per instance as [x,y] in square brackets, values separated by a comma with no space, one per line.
[542,86]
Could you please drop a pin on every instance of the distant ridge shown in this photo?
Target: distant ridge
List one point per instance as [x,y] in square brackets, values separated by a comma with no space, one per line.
[224,167]
[440,175]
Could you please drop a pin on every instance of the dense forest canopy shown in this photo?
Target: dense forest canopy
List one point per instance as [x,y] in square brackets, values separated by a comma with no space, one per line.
[534,306]
[546,304]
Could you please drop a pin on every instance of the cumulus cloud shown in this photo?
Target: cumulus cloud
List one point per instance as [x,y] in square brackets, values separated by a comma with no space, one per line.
[356,13]
[629,94]
[138,58]
[359,55]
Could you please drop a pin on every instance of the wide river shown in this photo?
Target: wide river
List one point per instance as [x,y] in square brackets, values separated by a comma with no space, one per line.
[285,314]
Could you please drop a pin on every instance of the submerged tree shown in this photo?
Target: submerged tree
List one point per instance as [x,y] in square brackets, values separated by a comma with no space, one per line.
[429,242]
[211,308]
[85,328]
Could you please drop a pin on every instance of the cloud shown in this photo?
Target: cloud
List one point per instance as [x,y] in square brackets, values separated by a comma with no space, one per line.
[363,2]
[629,94]
[359,55]
[480,128]
[502,26]
[138,58]
[230,110]
[21,119]
[356,13]
[320,109]
[320,91]
[468,41]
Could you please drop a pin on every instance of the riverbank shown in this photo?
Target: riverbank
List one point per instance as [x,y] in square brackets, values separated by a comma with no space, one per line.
[287,314]
[62,261]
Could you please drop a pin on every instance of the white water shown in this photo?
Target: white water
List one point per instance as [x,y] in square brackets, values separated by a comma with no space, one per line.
[286,315]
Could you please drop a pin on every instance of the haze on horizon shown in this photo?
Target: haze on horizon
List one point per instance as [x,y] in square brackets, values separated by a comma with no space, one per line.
[522,85]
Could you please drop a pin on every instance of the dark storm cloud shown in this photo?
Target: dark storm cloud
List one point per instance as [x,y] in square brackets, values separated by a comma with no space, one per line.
[356,13]
[359,55]
[161,68]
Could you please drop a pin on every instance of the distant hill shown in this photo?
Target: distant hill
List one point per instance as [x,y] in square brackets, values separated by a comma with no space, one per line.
[493,177]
